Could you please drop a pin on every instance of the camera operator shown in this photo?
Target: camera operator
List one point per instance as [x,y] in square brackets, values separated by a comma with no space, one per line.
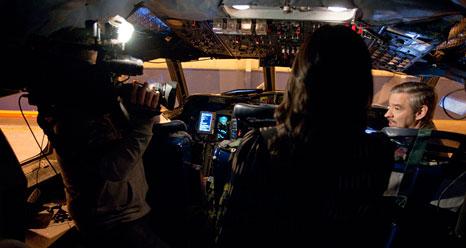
[98,148]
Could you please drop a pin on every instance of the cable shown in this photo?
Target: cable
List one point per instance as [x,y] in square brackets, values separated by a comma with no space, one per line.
[40,159]
[33,135]
[443,105]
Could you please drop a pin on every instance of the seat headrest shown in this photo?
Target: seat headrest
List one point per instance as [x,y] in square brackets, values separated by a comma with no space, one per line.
[262,111]
[254,115]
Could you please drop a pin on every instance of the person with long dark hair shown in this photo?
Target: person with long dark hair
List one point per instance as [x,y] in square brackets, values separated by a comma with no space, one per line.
[316,178]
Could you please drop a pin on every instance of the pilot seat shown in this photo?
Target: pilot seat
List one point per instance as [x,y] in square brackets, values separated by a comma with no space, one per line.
[247,117]
[428,184]
[174,187]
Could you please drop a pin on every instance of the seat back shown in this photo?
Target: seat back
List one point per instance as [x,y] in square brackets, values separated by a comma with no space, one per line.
[432,165]
[174,194]
[167,162]
[247,117]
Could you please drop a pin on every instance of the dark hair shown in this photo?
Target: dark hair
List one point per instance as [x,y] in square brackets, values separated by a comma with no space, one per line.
[65,76]
[330,84]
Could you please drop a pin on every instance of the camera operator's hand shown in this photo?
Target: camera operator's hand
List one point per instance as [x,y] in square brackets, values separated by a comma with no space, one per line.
[144,97]
[144,101]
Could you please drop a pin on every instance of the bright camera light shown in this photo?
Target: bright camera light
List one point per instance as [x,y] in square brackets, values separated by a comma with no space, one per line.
[125,32]
[241,7]
[337,9]
[125,29]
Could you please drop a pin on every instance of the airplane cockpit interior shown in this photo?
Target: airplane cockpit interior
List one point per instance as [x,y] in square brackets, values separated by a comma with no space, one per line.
[221,68]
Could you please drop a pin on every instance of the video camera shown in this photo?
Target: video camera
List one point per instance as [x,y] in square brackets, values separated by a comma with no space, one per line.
[91,60]
[167,92]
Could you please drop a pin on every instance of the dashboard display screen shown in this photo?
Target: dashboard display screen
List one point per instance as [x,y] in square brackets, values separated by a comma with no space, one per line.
[223,127]
[206,122]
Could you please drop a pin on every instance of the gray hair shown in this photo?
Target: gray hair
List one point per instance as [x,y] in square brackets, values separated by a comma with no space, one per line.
[420,94]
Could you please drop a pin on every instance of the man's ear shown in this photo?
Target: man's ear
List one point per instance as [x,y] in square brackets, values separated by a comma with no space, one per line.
[422,112]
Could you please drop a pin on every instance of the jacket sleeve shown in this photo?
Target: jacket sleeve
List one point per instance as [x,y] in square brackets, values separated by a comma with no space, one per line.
[117,158]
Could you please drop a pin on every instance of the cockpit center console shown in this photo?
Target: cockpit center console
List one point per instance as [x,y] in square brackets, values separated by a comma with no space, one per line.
[218,126]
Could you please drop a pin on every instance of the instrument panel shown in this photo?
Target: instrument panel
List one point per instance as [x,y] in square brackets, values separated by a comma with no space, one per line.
[210,117]
[216,125]
[211,121]
[276,42]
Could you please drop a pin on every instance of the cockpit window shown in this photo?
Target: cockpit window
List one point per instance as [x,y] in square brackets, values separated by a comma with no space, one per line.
[281,77]
[155,71]
[214,76]
[221,75]
[16,130]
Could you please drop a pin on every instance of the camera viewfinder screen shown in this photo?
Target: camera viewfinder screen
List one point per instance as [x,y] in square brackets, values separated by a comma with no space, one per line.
[206,120]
